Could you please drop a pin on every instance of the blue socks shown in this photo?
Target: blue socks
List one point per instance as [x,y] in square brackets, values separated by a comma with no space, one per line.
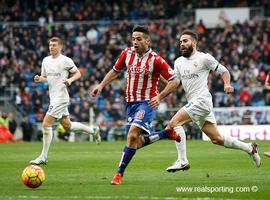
[128,153]
[155,136]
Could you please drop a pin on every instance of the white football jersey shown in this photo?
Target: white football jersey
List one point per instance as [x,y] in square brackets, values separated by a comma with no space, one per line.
[56,69]
[193,73]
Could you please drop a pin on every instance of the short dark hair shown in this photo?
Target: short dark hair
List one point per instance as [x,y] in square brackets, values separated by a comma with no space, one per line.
[142,29]
[56,39]
[193,34]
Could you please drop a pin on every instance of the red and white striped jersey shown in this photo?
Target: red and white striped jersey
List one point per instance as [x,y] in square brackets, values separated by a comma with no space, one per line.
[267,80]
[143,73]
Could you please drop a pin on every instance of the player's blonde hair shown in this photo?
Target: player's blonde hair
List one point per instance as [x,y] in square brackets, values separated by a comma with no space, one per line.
[56,39]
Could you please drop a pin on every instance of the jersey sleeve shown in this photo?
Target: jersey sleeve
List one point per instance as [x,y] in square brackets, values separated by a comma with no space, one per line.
[267,80]
[164,68]
[70,65]
[177,69]
[120,63]
[210,62]
[43,71]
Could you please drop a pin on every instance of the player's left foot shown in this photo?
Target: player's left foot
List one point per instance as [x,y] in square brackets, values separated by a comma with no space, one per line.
[96,134]
[172,135]
[178,166]
[267,154]
[255,154]
[117,179]
[39,161]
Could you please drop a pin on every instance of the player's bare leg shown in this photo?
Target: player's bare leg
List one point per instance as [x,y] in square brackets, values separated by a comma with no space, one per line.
[77,126]
[267,153]
[211,131]
[48,121]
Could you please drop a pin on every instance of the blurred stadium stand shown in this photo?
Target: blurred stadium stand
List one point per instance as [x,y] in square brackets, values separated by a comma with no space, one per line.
[95,32]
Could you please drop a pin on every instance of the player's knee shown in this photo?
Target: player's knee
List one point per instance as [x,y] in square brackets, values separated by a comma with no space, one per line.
[46,125]
[66,126]
[171,125]
[217,140]
[132,138]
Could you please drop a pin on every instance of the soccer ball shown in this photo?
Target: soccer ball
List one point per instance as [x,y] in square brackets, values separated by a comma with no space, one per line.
[33,176]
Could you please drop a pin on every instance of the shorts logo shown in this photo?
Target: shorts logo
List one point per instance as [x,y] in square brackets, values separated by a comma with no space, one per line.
[50,108]
[188,105]
[140,114]
[129,119]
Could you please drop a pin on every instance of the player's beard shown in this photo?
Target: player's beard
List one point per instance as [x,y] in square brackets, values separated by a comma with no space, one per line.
[187,52]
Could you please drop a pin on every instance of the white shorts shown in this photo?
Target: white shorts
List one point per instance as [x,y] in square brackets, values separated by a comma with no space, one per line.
[58,110]
[200,111]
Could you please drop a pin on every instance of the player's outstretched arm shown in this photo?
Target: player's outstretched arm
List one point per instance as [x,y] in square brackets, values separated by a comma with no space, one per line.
[267,87]
[163,81]
[226,77]
[110,76]
[170,87]
[38,78]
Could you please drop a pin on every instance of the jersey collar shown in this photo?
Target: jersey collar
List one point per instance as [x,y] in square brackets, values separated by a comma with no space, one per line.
[194,55]
[145,54]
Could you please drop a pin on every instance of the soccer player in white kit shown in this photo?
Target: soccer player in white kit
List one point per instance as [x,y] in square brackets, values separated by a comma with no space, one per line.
[193,68]
[267,87]
[55,70]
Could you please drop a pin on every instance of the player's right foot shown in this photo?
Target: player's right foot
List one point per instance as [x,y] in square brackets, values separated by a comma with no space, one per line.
[96,134]
[255,154]
[117,179]
[267,154]
[172,135]
[178,166]
[39,161]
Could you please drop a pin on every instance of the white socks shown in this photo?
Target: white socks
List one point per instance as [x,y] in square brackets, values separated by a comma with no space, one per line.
[47,139]
[232,143]
[181,146]
[48,135]
[77,126]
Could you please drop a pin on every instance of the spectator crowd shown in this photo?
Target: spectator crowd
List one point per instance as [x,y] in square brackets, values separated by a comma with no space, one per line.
[95,45]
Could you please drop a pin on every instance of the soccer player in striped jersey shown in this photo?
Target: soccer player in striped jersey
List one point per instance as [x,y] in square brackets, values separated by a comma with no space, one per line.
[59,71]
[267,81]
[267,87]
[144,68]
[193,68]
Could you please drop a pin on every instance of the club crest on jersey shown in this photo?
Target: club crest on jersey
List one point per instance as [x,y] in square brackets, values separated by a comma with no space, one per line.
[195,64]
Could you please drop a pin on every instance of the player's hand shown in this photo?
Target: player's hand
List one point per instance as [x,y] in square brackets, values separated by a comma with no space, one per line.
[37,78]
[154,103]
[67,82]
[228,89]
[96,91]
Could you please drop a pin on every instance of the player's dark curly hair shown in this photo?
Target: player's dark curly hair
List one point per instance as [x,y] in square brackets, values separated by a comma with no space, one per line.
[193,34]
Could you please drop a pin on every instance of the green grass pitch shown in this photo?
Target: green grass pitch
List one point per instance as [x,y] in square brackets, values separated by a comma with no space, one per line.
[83,170]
